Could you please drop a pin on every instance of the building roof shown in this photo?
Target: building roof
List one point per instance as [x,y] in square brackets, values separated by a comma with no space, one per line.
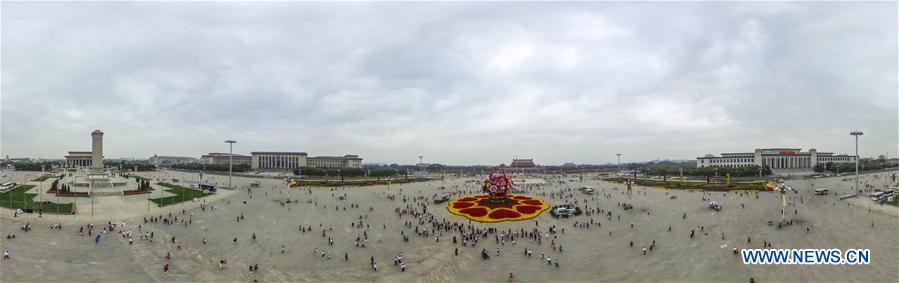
[179,157]
[278,153]
[522,162]
[81,152]
[345,157]
[218,154]
[770,152]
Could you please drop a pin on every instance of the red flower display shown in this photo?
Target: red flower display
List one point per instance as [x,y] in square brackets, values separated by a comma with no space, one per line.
[483,208]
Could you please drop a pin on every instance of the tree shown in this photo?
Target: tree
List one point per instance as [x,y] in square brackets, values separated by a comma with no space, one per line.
[32,166]
[212,167]
[819,168]
[382,172]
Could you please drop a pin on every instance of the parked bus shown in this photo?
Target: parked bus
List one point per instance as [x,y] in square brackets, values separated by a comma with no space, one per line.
[821,191]
[206,187]
[8,185]
[882,196]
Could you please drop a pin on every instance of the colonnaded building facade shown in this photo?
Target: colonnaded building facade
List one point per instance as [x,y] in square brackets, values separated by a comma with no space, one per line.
[774,158]
[90,159]
[278,160]
[218,158]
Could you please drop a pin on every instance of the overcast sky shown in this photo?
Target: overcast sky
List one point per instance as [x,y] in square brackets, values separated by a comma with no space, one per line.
[460,83]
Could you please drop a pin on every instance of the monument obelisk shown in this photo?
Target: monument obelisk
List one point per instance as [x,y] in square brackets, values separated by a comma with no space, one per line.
[97,151]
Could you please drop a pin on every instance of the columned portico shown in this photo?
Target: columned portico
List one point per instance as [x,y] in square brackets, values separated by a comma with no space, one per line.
[774,158]
[79,159]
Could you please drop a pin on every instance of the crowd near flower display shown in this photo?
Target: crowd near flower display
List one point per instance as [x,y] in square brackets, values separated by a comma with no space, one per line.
[498,203]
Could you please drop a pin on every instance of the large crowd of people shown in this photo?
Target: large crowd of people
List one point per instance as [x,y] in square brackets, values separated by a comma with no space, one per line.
[419,219]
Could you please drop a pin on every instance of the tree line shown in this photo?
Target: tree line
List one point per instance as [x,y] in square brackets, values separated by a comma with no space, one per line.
[129,165]
[864,164]
[212,167]
[675,170]
[32,166]
[346,172]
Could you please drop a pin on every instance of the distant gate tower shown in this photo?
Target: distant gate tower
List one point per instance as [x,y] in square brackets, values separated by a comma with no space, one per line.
[97,150]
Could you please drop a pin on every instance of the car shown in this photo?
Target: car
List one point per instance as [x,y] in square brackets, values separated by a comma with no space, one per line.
[587,190]
[715,205]
[442,199]
[565,210]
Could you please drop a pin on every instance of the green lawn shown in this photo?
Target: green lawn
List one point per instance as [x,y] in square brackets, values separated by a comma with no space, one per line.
[690,185]
[43,178]
[357,182]
[17,198]
[182,194]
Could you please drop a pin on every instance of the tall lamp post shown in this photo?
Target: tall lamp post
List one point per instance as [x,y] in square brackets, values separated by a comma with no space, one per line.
[619,162]
[41,192]
[230,158]
[856,134]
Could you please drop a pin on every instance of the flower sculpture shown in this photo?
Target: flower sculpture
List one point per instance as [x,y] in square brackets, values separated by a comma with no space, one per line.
[498,204]
[497,186]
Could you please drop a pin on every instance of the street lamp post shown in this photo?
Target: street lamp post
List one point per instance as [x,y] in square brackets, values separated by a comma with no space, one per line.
[421,166]
[856,134]
[619,162]
[56,193]
[41,192]
[230,158]
[90,185]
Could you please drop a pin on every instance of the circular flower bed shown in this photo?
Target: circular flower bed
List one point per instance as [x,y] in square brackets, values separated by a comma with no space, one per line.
[483,208]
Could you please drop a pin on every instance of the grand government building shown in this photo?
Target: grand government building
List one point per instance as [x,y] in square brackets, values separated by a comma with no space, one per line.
[774,158]
[278,160]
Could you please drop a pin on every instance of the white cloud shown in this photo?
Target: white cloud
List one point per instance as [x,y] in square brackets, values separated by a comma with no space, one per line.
[458,82]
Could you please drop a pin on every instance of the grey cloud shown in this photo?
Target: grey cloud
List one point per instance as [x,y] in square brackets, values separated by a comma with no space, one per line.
[460,83]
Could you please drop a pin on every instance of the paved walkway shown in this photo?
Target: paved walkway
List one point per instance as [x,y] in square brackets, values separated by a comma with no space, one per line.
[590,254]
